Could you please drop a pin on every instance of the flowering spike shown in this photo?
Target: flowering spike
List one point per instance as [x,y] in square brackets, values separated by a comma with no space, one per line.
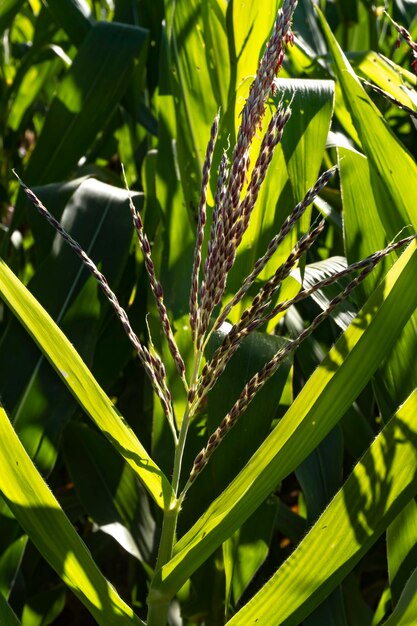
[257,381]
[155,285]
[200,228]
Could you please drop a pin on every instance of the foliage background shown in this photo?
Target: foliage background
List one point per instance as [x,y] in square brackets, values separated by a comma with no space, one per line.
[87,85]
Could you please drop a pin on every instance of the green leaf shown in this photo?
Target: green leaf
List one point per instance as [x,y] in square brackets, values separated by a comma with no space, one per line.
[248,434]
[39,70]
[359,210]
[87,97]
[305,135]
[97,216]
[10,562]
[194,57]
[8,9]
[249,29]
[293,169]
[73,16]
[380,485]
[323,401]
[320,475]
[290,524]
[406,609]
[7,616]
[173,253]
[175,249]
[44,607]
[82,384]
[248,549]
[386,75]
[40,515]
[197,40]
[109,490]
[364,232]
[313,272]
[402,549]
[390,163]
[57,196]
[383,608]
[357,609]
[330,612]
[250,431]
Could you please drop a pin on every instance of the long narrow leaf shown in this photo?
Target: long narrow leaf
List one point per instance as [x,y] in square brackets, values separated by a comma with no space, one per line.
[406,610]
[393,171]
[323,401]
[7,616]
[74,17]
[381,484]
[87,97]
[82,384]
[39,513]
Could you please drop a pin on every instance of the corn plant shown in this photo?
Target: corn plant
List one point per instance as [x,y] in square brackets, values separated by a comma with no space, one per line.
[209,483]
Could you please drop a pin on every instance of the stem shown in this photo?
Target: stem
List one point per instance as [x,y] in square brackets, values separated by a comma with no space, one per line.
[158,604]
[167,535]
[179,452]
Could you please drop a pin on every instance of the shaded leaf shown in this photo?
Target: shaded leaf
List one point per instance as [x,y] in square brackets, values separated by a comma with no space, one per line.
[109,491]
[86,99]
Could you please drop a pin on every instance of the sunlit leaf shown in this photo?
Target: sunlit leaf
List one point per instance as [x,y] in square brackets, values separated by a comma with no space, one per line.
[377,489]
[324,399]
[40,515]
[81,383]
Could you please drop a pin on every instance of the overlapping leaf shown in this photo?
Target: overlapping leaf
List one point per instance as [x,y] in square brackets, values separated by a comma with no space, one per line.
[380,485]
[39,513]
[82,385]
[324,399]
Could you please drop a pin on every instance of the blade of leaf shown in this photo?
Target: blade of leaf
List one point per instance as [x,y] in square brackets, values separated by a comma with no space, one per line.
[73,16]
[251,547]
[293,169]
[82,384]
[86,99]
[56,196]
[9,564]
[97,216]
[306,133]
[364,232]
[322,402]
[195,82]
[406,610]
[254,352]
[248,29]
[391,164]
[41,70]
[402,549]
[320,476]
[357,609]
[7,615]
[378,488]
[44,607]
[40,515]
[8,10]
[109,489]
[384,74]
